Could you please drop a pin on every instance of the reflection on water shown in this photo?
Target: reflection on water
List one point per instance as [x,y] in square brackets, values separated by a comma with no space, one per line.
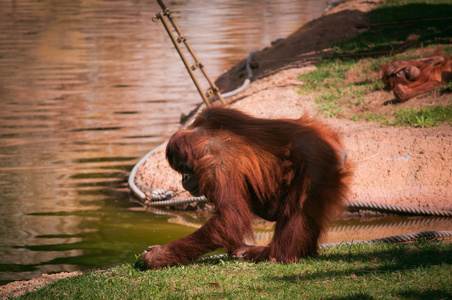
[86,89]
[345,229]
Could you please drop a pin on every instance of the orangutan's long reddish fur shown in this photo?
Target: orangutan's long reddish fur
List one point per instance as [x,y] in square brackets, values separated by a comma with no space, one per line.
[293,172]
[412,77]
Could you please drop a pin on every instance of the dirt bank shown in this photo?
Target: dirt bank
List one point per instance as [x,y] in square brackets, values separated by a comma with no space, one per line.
[394,165]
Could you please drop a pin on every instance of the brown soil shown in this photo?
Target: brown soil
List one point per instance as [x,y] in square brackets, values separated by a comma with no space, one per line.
[404,166]
[17,288]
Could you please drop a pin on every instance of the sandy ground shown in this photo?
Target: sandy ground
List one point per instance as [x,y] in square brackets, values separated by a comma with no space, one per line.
[404,166]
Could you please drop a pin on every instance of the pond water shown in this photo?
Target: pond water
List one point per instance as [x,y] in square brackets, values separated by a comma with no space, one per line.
[86,89]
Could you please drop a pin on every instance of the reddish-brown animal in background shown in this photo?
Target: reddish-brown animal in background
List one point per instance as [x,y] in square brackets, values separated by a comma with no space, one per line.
[412,77]
[293,172]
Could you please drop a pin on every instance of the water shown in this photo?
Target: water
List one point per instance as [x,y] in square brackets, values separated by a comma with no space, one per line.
[86,89]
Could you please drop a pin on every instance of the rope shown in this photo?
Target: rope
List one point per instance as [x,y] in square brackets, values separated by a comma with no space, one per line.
[247,80]
[135,190]
[161,194]
[366,225]
[155,200]
[151,202]
[401,210]
[387,240]
[396,238]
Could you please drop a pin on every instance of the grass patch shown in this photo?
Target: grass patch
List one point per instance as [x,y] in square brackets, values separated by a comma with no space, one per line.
[413,271]
[329,104]
[337,95]
[329,74]
[423,117]
[417,117]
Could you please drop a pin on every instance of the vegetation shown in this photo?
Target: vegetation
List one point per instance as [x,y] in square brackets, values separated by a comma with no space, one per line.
[424,117]
[344,84]
[361,271]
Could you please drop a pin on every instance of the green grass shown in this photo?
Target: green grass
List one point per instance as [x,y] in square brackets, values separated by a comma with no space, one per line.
[423,117]
[419,117]
[330,74]
[421,270]
[328,102]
